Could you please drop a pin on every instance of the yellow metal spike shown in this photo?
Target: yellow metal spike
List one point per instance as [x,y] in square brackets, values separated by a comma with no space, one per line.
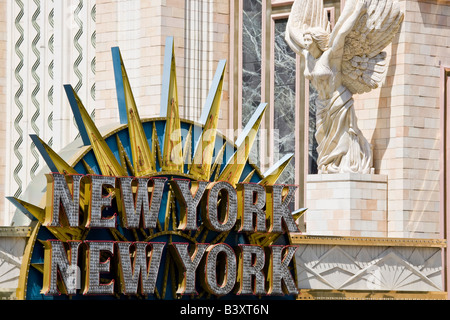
[38,266]
[87,167]
[53,160]
[201,164]
[37,212]
[143,162]
[63,234]
[249,176]
[233,170]
[298,213]
[271,176]
[156,150]
[124,159]
[109,166]
[66,234]
[187,154]
[218,162]
[173,151]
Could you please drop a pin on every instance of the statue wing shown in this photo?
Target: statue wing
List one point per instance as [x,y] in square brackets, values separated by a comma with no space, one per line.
[305,14]
[364,61]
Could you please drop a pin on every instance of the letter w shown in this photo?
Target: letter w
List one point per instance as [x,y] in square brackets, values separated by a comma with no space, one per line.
[139,271]
[132,208]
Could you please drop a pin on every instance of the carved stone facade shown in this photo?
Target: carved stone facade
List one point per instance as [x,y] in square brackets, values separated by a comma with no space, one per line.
[362,264]
[12,244]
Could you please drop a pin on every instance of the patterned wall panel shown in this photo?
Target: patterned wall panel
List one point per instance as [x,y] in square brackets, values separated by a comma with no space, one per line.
[12,243]
[53,44]
[386,268]
[198,53]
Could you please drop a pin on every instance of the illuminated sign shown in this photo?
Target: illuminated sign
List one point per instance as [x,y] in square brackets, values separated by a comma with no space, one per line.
[138,263]
[160,208]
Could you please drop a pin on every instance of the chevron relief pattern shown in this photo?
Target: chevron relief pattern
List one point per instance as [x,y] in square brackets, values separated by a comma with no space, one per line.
[328,267]
[11,250]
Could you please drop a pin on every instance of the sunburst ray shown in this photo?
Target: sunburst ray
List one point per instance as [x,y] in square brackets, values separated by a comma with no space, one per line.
[108,163]
[28,209]
[31,210]
[271,176]
[143,162]
[51,158]
[204,150]
[173,151]
[233,169]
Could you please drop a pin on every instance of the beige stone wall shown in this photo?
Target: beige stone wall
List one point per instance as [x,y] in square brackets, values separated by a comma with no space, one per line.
[354,204]
[140,29]
[402,119]
[137,31]
[3,123]
[221,45]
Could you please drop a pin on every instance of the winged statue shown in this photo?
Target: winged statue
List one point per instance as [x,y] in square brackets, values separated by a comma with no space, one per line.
[347,60]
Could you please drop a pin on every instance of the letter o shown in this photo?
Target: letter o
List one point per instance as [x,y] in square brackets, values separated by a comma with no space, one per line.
[211,215]
[229,278]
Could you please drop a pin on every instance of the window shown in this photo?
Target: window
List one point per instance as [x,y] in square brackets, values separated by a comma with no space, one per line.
[267,70]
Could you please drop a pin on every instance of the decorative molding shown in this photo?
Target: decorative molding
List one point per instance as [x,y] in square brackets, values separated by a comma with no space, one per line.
[368,241]
[15,232]
[369,264]
[311,294]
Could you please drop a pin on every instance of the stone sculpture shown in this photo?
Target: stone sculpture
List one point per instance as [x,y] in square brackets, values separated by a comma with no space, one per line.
[339,63]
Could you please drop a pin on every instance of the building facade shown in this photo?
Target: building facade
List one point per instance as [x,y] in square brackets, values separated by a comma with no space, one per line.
[45,44]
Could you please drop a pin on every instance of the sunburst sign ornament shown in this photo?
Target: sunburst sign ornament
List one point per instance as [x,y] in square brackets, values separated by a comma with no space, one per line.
[159,208]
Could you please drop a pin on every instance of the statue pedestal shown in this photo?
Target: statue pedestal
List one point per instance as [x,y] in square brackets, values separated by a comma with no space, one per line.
[346,204]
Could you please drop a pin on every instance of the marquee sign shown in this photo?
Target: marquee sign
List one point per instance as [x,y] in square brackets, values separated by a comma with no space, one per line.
[160,208]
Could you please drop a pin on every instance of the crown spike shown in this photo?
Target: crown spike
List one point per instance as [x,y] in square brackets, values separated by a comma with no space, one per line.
[271,176]
[235,166]
[172,148]
[51,158]
[143,162]
[204,150]
[109,166]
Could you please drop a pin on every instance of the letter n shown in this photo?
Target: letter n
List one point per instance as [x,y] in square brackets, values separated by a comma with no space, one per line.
[61,197]
[57,259]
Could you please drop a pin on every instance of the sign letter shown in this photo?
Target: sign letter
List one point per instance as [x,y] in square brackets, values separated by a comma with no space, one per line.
[98,201]
[60,197]
[278,208]
[188,202]
[280,271]
[226,211]
[251,264]
[188,264]
[95,267]
[57,258]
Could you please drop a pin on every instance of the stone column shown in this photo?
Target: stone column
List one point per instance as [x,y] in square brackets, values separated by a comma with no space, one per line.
[347,204]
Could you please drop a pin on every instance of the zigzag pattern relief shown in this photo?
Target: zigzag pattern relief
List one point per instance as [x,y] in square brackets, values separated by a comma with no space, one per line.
[37,86]
[78,47]
[93,42]
[51,41]
[17,97]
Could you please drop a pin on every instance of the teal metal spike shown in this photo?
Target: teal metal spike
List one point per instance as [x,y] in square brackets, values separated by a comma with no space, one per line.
[117,66]
[41,148]
[76,113]
[169,64]
[213,90]
[250,124]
